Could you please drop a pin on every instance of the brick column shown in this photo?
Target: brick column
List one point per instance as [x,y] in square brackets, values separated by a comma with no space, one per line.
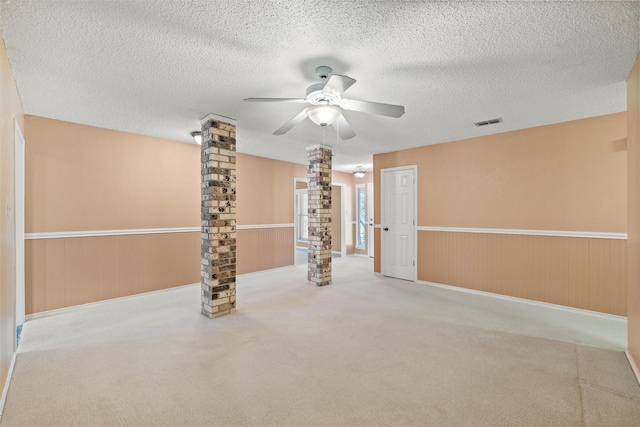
[218,236]
[319,174]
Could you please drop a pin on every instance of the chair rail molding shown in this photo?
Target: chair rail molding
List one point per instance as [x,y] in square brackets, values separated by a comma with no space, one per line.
[551,233]
[124,232]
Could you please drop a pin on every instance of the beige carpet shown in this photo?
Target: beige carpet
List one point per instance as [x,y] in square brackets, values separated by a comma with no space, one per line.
[364,351]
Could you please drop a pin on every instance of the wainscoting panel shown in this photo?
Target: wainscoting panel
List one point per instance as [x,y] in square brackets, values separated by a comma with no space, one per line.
[63,272]
[586,273]
[264,248]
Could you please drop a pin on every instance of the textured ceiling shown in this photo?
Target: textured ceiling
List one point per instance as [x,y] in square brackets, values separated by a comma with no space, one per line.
[156,67]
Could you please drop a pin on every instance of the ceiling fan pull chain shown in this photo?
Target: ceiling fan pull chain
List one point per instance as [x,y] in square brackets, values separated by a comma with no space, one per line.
[323,143]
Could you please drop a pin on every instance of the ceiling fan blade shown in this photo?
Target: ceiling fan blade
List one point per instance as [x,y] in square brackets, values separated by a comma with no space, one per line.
[275,100]
[389,110]
[344,129]
[291,123]
[337,84]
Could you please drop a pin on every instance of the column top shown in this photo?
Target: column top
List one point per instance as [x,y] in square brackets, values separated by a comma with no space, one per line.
[218,118]
[317,146]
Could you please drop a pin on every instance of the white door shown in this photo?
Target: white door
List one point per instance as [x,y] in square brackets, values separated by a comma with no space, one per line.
[370,217]
[398,223]
[19,223]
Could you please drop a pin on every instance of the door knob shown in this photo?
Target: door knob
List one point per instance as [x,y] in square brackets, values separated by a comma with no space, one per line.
[386,229]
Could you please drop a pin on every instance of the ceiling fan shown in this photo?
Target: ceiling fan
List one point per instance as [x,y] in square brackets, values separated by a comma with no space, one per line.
[327,104]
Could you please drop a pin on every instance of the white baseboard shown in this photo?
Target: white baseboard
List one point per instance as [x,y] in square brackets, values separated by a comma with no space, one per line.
[634,367]
[305,248]
[105,301]
[286,267]
[108,301]
[605,316]
[5,389]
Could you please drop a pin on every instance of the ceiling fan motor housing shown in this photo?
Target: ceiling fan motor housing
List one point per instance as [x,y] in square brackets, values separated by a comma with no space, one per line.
[315,95]
[323,71]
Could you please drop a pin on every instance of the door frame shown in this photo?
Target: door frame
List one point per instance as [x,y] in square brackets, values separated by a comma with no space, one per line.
[370,222]
[295,217]
[414,168]
[343,226]
[19,217]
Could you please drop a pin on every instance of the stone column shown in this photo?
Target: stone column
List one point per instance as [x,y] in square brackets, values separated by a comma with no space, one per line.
[218,236]
[319,175]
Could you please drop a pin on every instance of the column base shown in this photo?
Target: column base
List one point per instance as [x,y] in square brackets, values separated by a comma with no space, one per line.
[321,283]
[220,313]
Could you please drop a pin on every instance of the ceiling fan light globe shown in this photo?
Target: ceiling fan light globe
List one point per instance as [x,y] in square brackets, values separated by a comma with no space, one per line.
[323,115]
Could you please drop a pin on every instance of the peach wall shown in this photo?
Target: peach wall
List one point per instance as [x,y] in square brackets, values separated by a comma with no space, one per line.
[567,176]
[251,253]
[633,261]
[81,178]
[10,109]
[583,273]
[265,189]
[71,271]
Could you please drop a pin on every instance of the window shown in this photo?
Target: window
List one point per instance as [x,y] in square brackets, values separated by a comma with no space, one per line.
[361,217]
[302,220]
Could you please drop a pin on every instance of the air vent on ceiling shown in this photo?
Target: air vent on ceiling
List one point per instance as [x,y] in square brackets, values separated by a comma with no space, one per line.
[488,122]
